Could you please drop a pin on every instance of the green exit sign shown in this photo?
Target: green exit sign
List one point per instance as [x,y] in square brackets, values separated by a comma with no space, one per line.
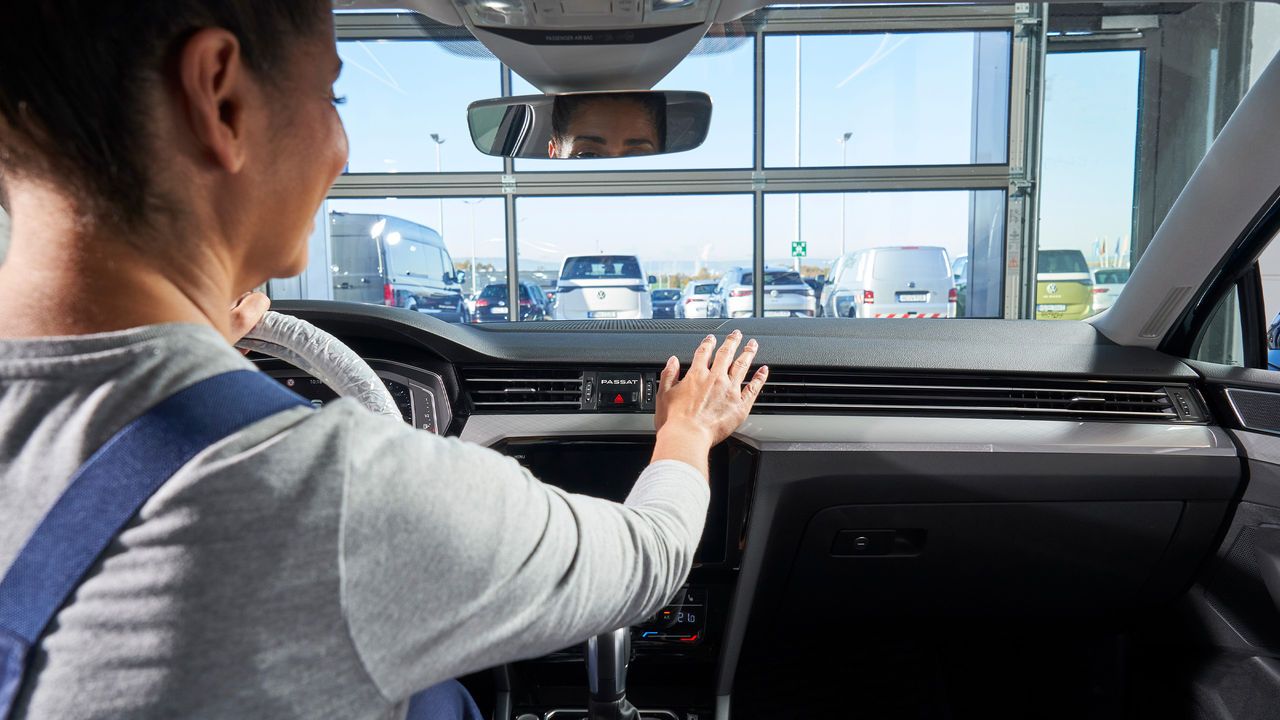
[800,248]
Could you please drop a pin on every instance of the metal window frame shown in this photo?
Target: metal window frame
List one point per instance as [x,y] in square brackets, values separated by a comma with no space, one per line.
[1017,177]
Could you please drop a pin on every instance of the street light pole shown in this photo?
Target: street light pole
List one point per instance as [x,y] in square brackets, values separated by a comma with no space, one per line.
[844,196]
[799,197]
[473,204]
[435,137]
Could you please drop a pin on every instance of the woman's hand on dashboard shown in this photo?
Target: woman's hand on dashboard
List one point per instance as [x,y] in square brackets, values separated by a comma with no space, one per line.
[699,411]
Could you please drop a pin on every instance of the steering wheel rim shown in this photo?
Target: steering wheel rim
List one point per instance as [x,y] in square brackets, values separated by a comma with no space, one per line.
[322,356]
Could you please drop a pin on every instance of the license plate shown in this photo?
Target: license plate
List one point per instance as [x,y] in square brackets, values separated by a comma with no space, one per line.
[603,314]
[913,297]
[1051,308]
[498,310]
[777,313]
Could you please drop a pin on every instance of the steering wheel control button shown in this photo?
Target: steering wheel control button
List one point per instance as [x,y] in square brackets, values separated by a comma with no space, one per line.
[619,391]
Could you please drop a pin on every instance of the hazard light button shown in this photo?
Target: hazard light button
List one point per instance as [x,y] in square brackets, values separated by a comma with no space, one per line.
[618,391]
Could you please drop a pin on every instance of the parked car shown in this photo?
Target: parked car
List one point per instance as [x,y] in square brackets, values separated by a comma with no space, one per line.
[664,302]
[785,294]
[546,281]
[891,282]
[960,278]
[491,304]
[1273,344]
[1107,286]
[384,260]
[693,299]
[1064,285]
[602,287]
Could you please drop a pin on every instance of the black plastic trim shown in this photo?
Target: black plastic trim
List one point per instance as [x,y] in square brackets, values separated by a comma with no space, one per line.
[960,347]
[573,36]
[1233,266]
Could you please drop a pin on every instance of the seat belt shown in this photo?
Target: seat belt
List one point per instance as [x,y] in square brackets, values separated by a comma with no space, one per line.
[107,491]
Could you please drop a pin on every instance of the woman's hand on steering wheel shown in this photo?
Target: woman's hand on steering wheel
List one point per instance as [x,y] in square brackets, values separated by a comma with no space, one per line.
[246,313]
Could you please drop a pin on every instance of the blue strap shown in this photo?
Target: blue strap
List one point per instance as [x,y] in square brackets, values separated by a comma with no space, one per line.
[108,490]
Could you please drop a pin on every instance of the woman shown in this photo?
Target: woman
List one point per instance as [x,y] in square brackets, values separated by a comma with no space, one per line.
[159,159]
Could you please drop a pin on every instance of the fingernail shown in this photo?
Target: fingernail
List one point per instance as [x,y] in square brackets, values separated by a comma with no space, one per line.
[737,333]
[709,338]
[753,344]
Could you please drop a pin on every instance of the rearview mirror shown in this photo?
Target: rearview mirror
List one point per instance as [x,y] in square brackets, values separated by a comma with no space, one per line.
[590,125]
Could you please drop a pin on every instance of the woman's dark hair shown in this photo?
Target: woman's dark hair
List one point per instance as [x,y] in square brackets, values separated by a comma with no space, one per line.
[75,76]
[652,104]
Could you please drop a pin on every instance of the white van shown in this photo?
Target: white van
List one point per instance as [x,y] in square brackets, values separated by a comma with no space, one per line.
[891,282]
[603,287]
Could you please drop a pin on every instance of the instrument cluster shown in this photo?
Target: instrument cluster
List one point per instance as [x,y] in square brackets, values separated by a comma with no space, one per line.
[419,394]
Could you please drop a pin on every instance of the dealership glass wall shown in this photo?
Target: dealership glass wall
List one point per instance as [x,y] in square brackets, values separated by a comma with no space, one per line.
[982,131]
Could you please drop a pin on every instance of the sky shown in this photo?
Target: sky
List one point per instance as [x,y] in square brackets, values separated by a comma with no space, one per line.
[903,98]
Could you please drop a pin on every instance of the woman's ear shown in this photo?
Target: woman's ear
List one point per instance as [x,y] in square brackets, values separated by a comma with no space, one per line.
[214,89]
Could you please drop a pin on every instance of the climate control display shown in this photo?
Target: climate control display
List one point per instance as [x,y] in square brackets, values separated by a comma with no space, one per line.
[681,621]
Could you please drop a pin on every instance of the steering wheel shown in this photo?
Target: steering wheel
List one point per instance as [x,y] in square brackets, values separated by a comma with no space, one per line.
[322,356]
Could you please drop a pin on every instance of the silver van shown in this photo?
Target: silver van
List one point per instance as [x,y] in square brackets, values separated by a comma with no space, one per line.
[891,282]
[385,260]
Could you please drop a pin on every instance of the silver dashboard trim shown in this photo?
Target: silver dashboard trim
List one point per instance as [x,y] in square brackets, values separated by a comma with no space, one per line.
[801,433]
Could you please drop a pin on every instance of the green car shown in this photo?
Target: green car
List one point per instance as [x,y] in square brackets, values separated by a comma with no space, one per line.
[1064,285]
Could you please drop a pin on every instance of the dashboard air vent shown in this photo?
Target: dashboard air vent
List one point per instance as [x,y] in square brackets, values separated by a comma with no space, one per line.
[680,326]
[523,389]
[834,394]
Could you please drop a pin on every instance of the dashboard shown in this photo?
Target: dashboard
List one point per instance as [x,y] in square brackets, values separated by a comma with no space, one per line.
[892,471]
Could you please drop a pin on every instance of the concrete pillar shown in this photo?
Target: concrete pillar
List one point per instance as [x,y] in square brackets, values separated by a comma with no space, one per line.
[1202,62]
[988,144]
[316,282]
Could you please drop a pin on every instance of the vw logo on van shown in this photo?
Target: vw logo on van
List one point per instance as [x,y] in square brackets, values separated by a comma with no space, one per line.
[1053,288]
[773,293]
[600,295]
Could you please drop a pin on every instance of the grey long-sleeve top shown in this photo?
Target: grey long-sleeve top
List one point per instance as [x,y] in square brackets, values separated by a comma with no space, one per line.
[317,564]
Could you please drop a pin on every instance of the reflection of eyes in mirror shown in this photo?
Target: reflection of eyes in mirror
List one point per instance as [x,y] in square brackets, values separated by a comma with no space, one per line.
[608,126]
[590,125]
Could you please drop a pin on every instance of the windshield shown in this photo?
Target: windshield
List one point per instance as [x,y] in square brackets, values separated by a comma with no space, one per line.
[1058,262]
[1111,277]
[666,294]
[604,267]
[916,263]
[774,277]
[878,126]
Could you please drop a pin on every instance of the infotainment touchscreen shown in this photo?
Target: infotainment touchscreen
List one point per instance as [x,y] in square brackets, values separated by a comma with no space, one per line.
[608,469]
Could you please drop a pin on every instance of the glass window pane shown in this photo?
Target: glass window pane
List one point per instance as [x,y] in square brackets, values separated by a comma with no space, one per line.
[886,99]
[389,252]
[1087,191]
[892,254]
[399,94]
[722,67]
[597,254]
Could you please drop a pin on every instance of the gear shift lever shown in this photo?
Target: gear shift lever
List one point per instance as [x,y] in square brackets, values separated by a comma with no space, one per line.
[607,658]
